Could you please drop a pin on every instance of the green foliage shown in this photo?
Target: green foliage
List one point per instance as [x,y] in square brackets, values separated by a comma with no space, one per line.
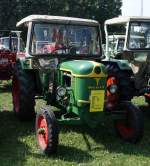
[12,11]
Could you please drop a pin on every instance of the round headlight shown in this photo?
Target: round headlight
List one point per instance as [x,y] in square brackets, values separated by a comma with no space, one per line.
[61,91]
[97,70]
[113,89]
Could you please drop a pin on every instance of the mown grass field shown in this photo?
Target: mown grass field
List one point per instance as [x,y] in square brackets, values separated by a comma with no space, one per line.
[77,145]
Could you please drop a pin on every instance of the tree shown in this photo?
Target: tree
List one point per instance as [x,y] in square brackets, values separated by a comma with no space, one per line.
[12,11]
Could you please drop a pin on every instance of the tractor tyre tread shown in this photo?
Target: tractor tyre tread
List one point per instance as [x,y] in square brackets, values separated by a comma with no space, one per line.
[138,123]
[27,94]
[52,130]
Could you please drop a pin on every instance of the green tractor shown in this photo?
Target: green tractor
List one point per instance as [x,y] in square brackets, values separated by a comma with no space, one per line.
[135,53]
[62,65]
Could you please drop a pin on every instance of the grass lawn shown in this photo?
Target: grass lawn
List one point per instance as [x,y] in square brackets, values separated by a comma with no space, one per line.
[77,145]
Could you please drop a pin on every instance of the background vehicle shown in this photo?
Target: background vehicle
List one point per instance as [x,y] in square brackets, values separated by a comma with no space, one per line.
[11,43]
[136,52]
[8,49]
[62,66]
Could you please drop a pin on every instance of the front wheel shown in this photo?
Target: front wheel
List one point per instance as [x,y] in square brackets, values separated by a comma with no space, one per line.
[131,127]
[47,131]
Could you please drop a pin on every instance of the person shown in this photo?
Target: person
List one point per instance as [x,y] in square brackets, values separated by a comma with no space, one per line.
[85,41]
[56,43]
[147,38]
[45,34]
[57,39]
[84,47]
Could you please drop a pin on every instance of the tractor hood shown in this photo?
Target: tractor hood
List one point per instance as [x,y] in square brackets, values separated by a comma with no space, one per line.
[83,68]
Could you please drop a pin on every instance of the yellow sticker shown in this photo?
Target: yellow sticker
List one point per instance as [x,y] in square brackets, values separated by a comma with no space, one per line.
[97,100]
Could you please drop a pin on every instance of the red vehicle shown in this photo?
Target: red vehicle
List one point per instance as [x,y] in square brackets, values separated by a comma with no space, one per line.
[10,44]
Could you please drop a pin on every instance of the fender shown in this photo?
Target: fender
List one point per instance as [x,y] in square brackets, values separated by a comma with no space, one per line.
[122,64]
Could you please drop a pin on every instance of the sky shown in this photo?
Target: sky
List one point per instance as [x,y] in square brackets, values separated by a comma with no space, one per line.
[133,7]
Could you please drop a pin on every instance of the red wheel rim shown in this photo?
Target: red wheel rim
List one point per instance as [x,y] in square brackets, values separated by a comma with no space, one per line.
[125,130]
[16,93]
[42,137]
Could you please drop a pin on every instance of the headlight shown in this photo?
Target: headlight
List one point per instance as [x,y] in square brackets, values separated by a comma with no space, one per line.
[97,70]
[113,89]
[61,91]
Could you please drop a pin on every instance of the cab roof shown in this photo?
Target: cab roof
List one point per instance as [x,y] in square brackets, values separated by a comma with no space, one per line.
[57,19]
[125,19]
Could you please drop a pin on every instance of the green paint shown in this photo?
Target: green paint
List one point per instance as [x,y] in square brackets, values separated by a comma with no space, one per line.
[123,64]
[78,67]
[79,89]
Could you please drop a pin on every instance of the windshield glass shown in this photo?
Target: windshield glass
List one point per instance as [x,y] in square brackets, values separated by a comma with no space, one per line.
[139,35]
[5,43]
[112,44]
[120,45]
[64,39]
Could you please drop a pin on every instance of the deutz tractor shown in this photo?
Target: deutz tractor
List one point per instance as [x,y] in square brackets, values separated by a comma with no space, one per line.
[62,65]
[136,52]
[10,43]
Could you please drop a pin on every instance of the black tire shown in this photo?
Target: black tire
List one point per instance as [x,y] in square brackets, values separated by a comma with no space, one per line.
[23,93]
[132,127]
[125,84]
[48,140]
[147,100]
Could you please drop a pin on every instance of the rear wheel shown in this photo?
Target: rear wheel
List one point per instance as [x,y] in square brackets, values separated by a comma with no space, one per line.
[131,128]
[23,94]
[47,131]
[147,98]
[124,82]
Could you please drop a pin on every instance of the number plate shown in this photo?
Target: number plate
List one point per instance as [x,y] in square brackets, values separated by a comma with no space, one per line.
[97,100]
